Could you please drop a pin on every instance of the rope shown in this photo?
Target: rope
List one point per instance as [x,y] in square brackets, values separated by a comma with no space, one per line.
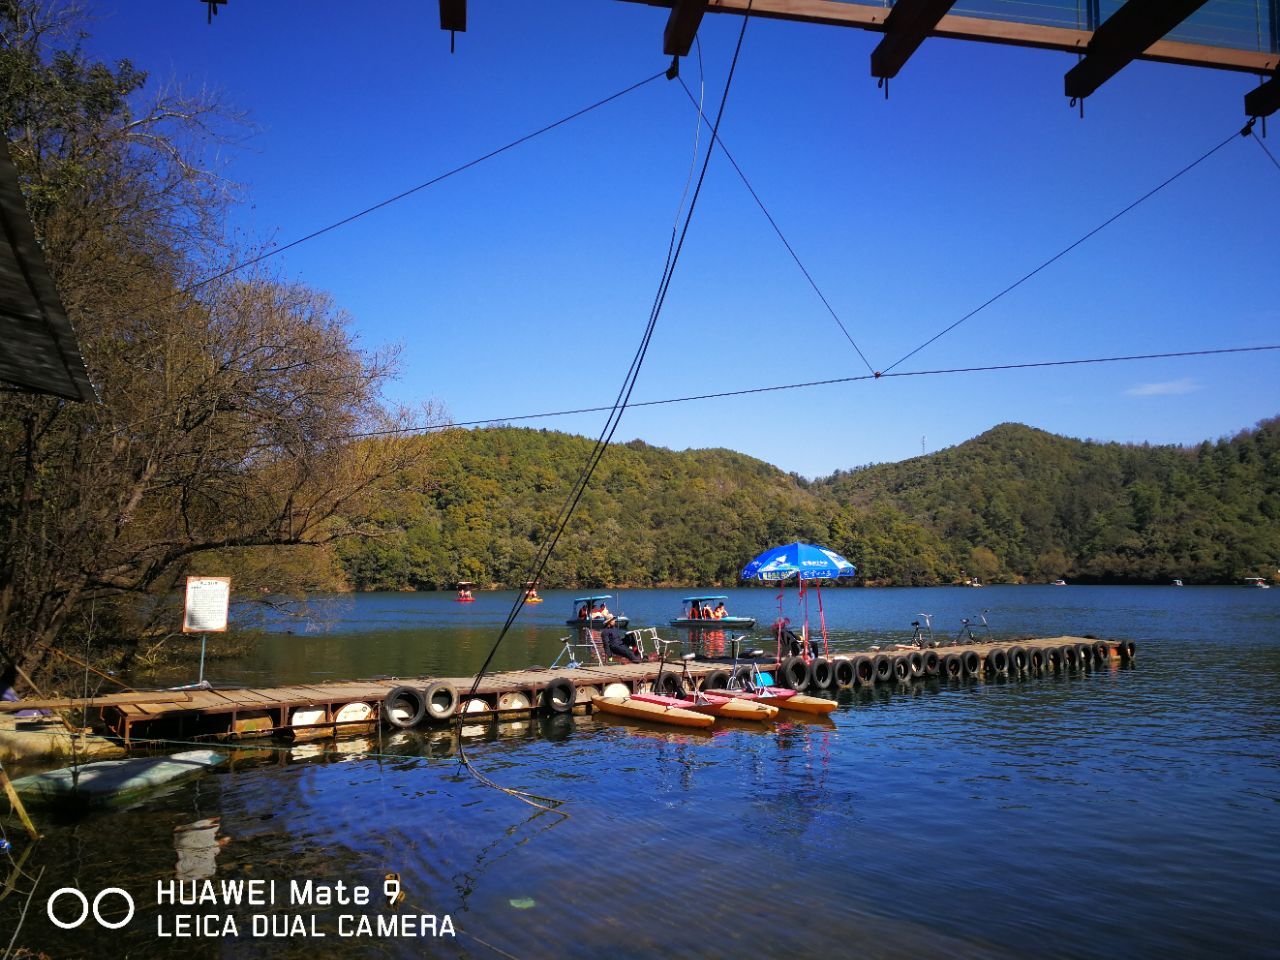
[1067,249]
[611,423]
[235,268]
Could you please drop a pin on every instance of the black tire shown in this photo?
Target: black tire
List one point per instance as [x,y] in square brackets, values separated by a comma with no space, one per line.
[1052,658]
[1128,649]
[716,680]
[930,662]
[404,707]
[842,673]
[1084,654]
[669,685]
[915,664]
[997,661]
[901,669]
[882,667]
[559,696]
[821,674]
[972,663]
[953,666]
[1067,654]
[744,677]
[864,671]
[1101,652]
[1017,659]
[1035,660]
[795,673]
[440,700]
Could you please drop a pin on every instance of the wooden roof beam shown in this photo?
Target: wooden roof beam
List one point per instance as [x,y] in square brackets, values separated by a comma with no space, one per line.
[908,23]
[1264,100]
[952,27]
[682,26]
[453,15]
[1122,38]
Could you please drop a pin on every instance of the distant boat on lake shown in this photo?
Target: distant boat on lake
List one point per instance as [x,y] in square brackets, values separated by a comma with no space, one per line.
[1058,583]
[1177,583]
[1257,582]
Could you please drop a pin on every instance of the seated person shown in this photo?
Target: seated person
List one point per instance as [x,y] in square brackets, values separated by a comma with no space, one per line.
[720,612]
[584,612]
[694,612]
[706,612]
[615,642]
[601,612]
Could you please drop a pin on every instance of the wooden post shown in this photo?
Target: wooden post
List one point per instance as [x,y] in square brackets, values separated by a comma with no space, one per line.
[16,801]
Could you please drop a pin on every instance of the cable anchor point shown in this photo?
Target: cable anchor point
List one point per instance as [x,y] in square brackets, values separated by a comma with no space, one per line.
[1247,129]
[673,71]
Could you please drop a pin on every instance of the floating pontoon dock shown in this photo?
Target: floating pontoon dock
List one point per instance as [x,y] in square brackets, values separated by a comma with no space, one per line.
[308,711]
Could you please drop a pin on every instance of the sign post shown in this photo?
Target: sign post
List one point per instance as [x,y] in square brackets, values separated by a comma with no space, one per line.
[206,609]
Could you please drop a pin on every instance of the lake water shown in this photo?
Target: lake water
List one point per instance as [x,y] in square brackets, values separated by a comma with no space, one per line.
[1116,813]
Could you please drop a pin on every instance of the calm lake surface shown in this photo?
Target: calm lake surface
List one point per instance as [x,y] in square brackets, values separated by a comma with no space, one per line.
[1117,813]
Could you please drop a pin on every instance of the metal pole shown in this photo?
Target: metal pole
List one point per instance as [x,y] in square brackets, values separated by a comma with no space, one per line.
[203,638]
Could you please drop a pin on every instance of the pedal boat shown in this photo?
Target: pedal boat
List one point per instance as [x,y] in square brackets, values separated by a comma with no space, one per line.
[782,699]
[712,704]
[637,709]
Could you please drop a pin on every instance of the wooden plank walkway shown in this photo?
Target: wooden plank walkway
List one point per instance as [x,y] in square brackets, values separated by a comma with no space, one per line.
[257,711]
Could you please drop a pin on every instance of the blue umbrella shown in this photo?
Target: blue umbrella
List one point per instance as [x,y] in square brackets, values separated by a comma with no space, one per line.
[804,559]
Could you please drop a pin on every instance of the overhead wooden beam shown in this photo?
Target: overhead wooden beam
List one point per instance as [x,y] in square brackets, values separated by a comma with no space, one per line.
[866,17]
[682,26]
[453,15]
[1122,37]
[1264,100]
[908,23]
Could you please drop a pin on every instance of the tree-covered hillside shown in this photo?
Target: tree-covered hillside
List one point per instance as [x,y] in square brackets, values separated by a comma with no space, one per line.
[1017,502]
[1014,503]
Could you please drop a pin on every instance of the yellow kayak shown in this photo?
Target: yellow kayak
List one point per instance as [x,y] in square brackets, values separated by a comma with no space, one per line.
[716,705]
[655,712]
[783,700]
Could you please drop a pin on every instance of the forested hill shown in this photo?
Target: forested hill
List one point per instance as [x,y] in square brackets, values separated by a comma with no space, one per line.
[1018,501]
[1014,503]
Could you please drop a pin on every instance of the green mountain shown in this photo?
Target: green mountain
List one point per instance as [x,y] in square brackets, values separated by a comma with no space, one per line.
[1015,503]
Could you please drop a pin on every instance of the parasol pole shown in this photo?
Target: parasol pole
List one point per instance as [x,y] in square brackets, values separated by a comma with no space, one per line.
[822,619]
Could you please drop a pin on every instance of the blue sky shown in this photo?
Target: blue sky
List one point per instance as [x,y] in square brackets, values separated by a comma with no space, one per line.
[523,285]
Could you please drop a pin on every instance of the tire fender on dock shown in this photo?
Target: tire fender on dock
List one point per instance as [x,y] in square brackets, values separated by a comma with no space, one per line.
[931,663]
[744,675]
[794,673]
[821,674]
[716,680]
[883,667]
[1017,659]
[404,707]
[902,669]
[559,695]
[669,685]
[1035,660]
[1101,652]
[864,671]
[842,672]
[440,699]
[953,666]
[997,661]
[915,662]
[972,663]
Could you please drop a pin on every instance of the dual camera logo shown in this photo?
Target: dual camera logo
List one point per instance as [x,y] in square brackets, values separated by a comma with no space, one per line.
[81,913]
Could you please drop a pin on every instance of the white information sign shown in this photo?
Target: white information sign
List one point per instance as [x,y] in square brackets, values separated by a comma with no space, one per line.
[207,602]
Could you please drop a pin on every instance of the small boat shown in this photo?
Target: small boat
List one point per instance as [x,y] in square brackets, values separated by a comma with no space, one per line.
[464,592]
[597,612]
[655,712]
[734,708]
[693,604]
[1257,582]
[1058,583]
[531,593]
[1177,583]
[783,699]
[112,782]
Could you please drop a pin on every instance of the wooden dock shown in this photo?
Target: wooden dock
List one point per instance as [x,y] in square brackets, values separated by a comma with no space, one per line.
[310,711]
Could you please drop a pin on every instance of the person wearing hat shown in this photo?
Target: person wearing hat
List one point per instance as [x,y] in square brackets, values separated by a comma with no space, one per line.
[615,642]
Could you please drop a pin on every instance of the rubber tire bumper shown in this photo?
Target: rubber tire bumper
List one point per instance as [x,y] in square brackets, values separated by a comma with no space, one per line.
[1018,661]
[997,661]
[1101,652]
[902,669]
[415,706]
[559,696]
[972,663]
[794,673]
[915,663]
[821,673]
[716,680]
[864,671]
[842,672]
[440,700]
[953,666]
[882,667]
[669,685]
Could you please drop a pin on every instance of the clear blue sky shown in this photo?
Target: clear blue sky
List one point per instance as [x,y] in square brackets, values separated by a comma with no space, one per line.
[523,285]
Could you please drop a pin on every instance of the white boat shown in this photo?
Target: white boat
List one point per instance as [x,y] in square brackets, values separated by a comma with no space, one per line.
[1058,583]
[1257,582]
[1177,583]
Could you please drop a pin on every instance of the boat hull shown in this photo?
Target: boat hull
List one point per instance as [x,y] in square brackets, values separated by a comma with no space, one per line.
[654,712]
[784,700]
[724,623]
[733,708]
[597,623]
